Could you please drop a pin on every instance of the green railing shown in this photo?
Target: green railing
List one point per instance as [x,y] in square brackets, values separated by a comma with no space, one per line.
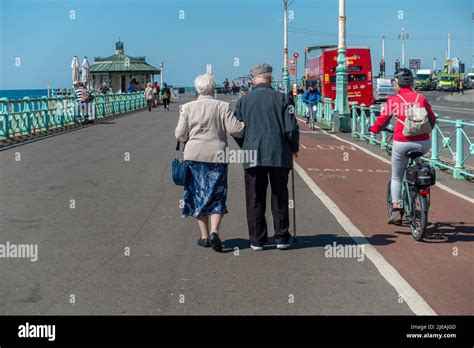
[451,147]
[27,116]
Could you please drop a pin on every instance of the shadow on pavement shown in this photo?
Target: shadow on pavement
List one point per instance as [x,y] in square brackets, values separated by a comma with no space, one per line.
[316,241]
[447,232]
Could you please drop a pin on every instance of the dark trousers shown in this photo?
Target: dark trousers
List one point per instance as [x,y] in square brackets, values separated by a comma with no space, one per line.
[256,182]
[166,103]
[149,104]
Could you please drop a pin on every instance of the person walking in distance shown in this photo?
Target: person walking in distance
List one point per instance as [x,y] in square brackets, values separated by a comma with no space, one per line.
[271,131]
[149,95]
[166,96]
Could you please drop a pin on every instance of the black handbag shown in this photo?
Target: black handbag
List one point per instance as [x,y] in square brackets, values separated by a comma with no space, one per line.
[179,169]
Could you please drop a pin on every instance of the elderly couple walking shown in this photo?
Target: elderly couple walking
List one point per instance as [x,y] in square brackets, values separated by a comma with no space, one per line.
[263,123]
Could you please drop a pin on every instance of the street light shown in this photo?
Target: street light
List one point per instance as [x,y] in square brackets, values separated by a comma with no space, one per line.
[162,65]
[342,102]
[403,36]
[286,75]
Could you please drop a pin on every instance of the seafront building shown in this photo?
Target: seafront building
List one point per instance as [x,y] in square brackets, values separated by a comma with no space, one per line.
[118,70]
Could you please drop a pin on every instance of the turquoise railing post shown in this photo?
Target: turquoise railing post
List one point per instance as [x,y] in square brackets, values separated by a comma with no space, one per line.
[26,110]
[319,113]
[434,146]
[44,109]
[372,139]
[363,123]
[354,119]
[459,166]
[6,117]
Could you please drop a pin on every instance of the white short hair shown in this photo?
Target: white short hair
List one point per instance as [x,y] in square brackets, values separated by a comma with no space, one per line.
[204,84]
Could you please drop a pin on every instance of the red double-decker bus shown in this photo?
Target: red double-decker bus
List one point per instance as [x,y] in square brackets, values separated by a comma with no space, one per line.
[322,70]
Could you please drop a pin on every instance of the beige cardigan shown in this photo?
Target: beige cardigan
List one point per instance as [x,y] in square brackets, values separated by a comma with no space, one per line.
[204,124]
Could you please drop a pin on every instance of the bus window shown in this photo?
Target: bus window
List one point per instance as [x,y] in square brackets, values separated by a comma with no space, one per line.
[351,68]
[350,78]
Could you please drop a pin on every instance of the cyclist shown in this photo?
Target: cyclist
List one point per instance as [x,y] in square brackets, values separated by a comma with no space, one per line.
[404,84]
[311,97]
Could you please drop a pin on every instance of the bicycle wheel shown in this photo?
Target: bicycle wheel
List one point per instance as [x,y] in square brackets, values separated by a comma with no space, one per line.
[419,215]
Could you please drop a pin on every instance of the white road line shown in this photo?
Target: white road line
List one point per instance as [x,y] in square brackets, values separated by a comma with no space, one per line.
[416,303]
[441,186]
[446,117]
[304,147]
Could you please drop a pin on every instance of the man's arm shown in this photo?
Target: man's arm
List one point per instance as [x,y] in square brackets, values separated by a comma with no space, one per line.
[292,130]
[238,115]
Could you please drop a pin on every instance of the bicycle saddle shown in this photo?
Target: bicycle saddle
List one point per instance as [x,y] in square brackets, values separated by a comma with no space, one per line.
[413,154]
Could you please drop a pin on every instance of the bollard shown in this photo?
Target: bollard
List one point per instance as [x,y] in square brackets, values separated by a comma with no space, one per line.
[459,151]
[373,138]
[363,122]
[434,146]
[354,120]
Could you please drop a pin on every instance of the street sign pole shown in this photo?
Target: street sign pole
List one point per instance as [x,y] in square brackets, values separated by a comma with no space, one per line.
[342,101]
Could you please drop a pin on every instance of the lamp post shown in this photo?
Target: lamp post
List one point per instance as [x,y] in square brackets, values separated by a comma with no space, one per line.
[162,65]
[286,75]
[342,102]
[403,36]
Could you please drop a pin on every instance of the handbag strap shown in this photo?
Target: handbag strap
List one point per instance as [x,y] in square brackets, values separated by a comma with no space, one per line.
[177,145]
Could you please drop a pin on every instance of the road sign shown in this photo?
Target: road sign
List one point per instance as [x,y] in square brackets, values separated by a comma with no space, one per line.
[296,55]
[292,63]
[292,71]
[415,64]
[455,63]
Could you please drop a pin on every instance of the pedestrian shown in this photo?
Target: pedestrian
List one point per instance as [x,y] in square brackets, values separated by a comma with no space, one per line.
[461,87]
[130,87]
[233,89]
[165,96]
[87,99]
[79,102]
[156,94]
[149,95]
[202,126]
[226,86]
[271,131]
[104,89]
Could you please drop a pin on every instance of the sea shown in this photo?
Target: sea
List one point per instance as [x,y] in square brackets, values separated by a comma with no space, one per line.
[20,93]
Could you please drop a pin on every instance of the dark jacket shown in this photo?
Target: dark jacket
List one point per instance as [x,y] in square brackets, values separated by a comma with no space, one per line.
[270,126]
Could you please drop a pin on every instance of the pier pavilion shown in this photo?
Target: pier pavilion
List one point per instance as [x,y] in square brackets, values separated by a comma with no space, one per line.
[119,69]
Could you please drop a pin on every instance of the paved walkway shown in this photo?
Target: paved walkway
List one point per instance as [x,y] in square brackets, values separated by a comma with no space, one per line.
[123,208]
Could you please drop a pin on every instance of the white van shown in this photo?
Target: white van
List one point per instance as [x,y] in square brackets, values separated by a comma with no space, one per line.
[426,79]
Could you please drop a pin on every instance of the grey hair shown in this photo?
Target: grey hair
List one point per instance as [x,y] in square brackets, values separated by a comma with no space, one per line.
[265,76]
[204,84]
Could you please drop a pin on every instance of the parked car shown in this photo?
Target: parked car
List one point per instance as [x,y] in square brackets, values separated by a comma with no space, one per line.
[426,79]
[448,82]
[383,89]
[469,81]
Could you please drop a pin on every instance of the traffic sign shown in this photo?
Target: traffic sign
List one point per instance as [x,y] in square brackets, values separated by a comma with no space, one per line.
[292,71]
[292,63]
[415,64]
[296,55]
[455,63]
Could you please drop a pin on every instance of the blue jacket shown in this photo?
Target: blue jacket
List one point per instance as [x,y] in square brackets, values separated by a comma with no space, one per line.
[311,98]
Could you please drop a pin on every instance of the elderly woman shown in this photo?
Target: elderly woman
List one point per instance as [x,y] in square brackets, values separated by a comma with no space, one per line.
[203,125]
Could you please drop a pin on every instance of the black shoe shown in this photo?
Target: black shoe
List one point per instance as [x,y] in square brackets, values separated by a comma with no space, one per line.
[204,242]
[216,243]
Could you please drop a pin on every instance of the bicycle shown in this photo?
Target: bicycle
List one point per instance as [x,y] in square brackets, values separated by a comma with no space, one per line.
[415,194]
[312,116]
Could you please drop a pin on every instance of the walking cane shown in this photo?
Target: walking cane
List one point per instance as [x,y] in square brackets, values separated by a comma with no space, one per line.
[294,202]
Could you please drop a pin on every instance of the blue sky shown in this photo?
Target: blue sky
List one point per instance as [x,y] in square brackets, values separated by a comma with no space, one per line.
[42,34]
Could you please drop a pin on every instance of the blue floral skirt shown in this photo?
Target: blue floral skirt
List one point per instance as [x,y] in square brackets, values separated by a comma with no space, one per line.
[206,191]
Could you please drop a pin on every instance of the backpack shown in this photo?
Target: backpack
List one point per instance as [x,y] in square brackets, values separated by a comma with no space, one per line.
[416,121]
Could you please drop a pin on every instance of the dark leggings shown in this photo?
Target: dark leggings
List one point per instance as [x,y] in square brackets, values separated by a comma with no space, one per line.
[166,102]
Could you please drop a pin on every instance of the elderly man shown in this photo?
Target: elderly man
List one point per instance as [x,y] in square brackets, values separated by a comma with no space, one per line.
[272,132]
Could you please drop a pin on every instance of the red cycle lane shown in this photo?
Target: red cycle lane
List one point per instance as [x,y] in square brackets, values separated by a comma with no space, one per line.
[441,268]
